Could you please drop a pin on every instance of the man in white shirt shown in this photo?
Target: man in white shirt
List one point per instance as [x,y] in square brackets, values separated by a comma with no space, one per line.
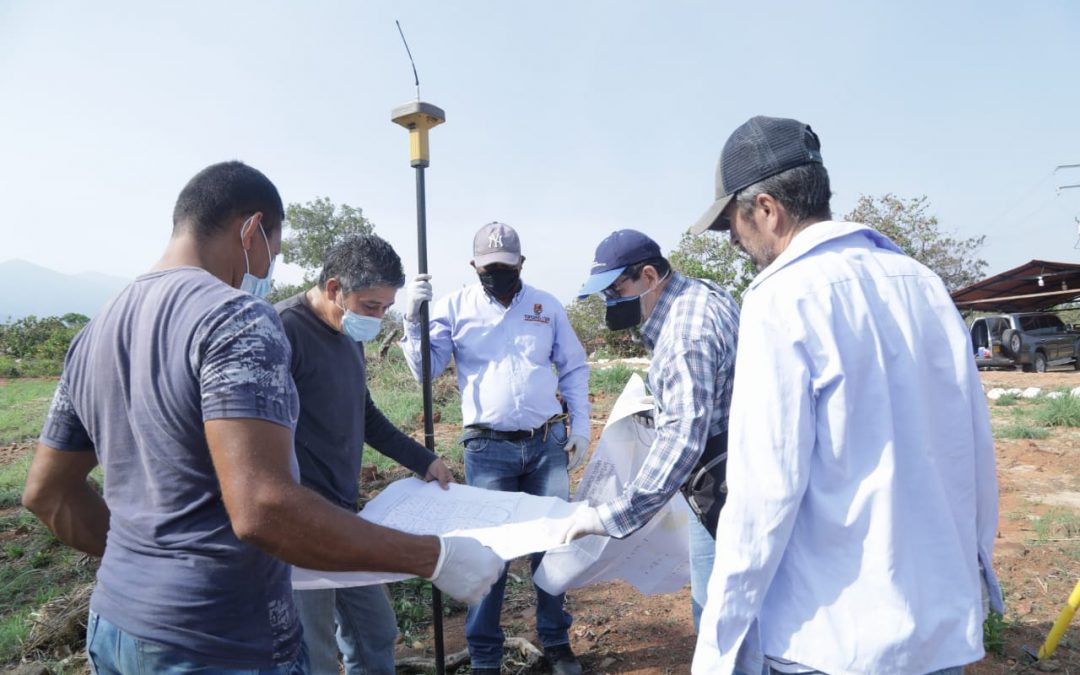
[862,505]
[514,349]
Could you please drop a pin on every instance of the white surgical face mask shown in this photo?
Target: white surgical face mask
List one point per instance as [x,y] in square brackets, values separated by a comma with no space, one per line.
[359,327]
[251,283]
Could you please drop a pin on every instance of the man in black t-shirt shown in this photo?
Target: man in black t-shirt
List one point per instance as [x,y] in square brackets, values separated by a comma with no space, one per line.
[327,326]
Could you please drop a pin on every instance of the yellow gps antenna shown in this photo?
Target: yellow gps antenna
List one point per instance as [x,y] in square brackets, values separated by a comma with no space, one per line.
[419,117]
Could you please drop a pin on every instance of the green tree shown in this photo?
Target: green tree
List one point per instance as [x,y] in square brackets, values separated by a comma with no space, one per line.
[919,234]
[712,256]
[310,230]
[586,317]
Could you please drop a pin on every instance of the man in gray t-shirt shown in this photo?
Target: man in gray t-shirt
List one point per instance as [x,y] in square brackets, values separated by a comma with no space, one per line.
[327,326]
[180,388]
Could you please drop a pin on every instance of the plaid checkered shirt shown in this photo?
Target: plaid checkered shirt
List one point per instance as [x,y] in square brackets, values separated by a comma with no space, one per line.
[691,333]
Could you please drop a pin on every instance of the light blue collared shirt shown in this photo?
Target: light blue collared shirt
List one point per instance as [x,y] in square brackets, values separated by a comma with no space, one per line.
[862,489]
[504,358]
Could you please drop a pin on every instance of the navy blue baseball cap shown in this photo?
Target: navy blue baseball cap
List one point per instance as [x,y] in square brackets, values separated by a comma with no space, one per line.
[616,252]
[761,148]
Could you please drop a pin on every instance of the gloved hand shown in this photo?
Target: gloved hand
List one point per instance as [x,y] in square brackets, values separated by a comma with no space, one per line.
[466,569]
[417,291]
[586,520]
[576,449]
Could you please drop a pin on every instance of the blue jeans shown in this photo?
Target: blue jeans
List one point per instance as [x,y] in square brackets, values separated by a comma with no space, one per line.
[114,652]
[702,553]
[366,629]
[958,670]
[536,466]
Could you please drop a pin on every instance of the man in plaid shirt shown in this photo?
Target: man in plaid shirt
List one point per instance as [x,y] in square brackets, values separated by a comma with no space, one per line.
[690,327]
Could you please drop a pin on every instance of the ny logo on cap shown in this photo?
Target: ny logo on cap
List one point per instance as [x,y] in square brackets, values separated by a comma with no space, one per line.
[495,240]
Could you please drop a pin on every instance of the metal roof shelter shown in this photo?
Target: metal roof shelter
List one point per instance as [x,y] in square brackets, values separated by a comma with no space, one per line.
[1031,287]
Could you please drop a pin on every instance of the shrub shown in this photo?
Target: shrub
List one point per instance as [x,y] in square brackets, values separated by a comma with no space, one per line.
[586,317]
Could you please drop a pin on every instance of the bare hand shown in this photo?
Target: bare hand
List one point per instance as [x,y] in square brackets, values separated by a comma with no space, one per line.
[439,471]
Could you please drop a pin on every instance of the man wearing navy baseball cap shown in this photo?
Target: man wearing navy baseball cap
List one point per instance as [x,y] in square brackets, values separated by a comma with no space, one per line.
[863,490]
[690,326]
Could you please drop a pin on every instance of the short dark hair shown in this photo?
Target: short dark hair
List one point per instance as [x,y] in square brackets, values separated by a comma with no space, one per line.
[362,261]
[633,272]
[803,191]
[221,192]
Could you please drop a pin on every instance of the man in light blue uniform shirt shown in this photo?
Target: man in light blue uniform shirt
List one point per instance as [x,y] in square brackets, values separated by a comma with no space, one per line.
[862,504]
[505,336]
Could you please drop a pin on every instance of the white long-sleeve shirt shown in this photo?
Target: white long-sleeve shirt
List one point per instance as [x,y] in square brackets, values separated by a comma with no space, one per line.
[504,358]
[863,493]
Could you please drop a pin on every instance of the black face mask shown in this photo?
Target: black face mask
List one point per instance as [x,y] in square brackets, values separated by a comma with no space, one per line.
[500,283]
[623,313]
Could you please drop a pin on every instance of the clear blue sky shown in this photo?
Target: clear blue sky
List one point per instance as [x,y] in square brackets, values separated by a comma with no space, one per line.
[565,119]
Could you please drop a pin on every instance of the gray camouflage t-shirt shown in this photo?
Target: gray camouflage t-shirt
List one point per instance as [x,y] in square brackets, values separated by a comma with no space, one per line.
[177,348]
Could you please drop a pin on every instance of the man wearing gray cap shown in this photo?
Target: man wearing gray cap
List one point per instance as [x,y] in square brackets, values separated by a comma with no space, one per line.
[862,504]
[504,337]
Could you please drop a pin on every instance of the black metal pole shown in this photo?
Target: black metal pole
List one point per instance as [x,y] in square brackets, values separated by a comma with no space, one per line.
[425,367]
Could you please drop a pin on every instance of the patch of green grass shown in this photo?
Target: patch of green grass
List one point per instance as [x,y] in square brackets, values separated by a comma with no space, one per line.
[1059,526]
[36,568]
[1063,411]
[13,629]
[400,397]
[611,380]
[10,367]
[23,404]
[12,479]
[411,600]
[1007,399]
[1057,522]
[1021,431]
[1024,411]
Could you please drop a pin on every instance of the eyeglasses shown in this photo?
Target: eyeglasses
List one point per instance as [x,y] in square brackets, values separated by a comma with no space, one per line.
[612,291]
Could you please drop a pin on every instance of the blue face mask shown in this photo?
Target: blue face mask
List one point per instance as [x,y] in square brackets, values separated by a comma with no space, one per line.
[251,283]
[360,327]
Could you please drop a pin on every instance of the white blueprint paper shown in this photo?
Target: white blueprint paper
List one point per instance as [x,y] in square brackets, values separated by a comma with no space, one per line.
[656,558]
[511,523]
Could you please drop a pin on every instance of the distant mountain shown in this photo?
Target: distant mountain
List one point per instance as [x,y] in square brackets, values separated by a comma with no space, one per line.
[26,288]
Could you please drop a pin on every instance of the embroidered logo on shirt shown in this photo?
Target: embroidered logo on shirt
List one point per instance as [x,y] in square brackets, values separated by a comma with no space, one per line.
[535,316]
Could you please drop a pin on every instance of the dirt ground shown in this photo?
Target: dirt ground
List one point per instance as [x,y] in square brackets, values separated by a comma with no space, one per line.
[618,630]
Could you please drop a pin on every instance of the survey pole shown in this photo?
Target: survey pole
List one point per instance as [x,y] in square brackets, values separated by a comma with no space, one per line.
[419,117]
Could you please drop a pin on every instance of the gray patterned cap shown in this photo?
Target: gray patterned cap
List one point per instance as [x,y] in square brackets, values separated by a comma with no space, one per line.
[496,243]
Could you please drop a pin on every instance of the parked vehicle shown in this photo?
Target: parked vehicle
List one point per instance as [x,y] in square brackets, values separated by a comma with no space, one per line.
[1034,341]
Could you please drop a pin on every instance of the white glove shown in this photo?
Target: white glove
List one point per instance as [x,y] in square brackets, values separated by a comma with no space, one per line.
[417,292]
[466,569]
[586,520]
[577,447]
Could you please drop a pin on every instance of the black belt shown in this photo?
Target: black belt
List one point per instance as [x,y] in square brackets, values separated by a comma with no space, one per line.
[478,431]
